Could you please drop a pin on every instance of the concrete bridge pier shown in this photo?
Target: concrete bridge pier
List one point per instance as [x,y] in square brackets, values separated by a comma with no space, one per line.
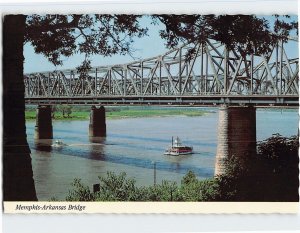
[97,126]
[43,127]
[236,134]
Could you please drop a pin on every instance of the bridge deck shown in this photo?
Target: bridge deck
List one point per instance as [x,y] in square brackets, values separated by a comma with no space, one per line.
[281,100]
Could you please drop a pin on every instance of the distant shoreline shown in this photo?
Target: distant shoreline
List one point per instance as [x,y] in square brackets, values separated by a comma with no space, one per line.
[122,114]
[126,113]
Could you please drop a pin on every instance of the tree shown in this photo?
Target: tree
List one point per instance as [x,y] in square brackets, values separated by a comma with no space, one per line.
[56,36]
[64,35]
[279,158]
[271,175]
[54,109]
[247,34]
[80,192]
[68,110]
[18,184]
[117,187]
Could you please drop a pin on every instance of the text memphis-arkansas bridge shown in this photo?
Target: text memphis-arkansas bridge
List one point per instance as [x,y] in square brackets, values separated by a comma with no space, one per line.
[212,76]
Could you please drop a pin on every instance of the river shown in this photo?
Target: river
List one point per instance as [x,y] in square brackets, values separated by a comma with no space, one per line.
[134,145]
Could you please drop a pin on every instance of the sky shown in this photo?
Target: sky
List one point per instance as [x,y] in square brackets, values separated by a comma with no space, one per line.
[148,46]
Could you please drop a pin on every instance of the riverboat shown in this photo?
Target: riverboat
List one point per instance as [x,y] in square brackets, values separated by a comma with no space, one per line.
[58,143]
[177,148]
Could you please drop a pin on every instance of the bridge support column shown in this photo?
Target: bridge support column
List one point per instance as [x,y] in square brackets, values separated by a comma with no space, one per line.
[236,134]
[97,126]
[43,127]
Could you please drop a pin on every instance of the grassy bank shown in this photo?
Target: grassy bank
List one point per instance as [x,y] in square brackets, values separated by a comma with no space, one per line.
[123,113]
[31,115]
[151,113]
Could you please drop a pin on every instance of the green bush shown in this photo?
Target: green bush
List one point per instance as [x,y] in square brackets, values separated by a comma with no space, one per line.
[270,175]
[115,187]
[80,192]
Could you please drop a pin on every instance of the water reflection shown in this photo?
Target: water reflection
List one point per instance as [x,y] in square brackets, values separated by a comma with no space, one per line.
[97,148]
[43,144]
[100,140]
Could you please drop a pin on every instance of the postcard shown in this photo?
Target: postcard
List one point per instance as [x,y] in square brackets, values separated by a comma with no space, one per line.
[140,112]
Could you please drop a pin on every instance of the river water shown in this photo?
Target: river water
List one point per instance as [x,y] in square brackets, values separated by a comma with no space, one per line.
[133,146]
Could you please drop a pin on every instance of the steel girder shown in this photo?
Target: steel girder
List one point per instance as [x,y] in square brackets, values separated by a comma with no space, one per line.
[211,71]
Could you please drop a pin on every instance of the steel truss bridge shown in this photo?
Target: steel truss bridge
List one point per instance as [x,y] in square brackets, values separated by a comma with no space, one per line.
[213,75]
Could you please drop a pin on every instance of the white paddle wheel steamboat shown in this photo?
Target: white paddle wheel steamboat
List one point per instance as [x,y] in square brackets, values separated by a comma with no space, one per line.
[177,148]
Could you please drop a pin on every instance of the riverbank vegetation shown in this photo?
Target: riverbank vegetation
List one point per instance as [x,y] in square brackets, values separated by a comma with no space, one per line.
[67,112]
[270,175]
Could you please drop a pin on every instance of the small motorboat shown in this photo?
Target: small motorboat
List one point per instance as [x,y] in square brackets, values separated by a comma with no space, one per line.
[177,148]
[58,143]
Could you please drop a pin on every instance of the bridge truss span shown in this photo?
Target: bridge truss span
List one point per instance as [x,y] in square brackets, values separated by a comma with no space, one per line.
[212,75]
